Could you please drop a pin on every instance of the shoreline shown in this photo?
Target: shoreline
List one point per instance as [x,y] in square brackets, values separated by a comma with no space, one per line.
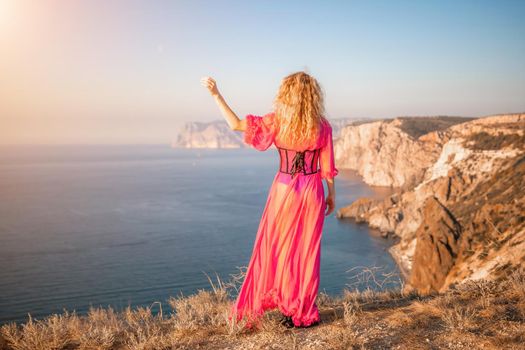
[380,193]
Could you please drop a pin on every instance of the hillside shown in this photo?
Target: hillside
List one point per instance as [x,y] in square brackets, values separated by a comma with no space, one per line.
[393,152]
[465,218]
[475,315]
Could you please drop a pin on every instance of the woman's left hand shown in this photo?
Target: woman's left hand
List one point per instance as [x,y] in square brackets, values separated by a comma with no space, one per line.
[330,203]
[210,83]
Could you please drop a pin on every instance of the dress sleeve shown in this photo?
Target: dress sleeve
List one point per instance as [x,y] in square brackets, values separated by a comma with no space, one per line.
[326,156]
[259,131]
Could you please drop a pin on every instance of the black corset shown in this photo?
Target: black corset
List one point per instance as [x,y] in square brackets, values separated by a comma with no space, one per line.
[293,162]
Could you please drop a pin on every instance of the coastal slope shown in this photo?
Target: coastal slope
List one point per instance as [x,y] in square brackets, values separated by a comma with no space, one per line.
[393,152]
[462,216]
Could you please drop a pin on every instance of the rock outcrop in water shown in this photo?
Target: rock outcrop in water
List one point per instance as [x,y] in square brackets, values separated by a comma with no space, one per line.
[215,134]
[465,218]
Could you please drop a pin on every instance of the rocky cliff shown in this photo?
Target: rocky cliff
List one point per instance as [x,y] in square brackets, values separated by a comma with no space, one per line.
[215,134]
[393,152]
[465,216]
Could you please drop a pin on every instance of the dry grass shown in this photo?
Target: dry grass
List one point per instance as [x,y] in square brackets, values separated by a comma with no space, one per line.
[417,126]
[486,141]
[475,314]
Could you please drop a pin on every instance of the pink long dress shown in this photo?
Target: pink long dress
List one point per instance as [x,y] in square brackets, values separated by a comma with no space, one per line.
[283,271]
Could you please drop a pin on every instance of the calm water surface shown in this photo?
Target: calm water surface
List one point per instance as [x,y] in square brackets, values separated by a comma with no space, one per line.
[103,225]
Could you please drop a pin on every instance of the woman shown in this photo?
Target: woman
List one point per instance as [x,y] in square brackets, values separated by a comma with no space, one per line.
[283,271]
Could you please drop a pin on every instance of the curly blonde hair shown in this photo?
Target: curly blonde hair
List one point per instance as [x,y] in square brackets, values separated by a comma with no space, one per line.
[299,108]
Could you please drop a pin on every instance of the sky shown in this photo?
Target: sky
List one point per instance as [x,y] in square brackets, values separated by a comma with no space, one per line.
[118,72]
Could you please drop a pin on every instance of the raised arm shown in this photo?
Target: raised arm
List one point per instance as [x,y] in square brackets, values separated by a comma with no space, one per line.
[231,118]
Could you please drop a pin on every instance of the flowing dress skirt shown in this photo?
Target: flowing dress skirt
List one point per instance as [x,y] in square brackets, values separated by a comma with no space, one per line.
[283,271]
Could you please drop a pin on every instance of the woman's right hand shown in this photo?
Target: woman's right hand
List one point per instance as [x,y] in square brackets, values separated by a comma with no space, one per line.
[330,203]
[210,83]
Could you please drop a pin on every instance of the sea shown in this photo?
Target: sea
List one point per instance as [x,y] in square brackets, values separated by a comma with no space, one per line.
[132,225]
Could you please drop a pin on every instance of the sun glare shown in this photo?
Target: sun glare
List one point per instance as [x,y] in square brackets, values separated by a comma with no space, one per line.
[5,13]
